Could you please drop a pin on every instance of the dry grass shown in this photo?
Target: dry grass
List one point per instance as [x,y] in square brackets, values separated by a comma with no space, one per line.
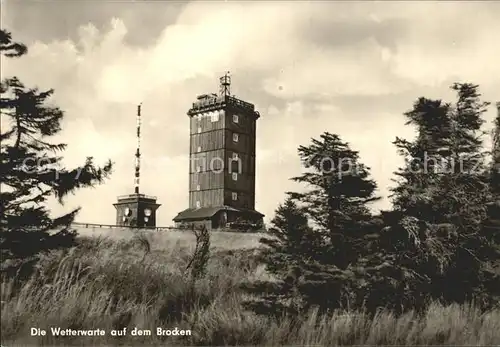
[122,282]
[178,238]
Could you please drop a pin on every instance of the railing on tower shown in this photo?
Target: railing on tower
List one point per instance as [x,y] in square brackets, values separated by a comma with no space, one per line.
[133,196]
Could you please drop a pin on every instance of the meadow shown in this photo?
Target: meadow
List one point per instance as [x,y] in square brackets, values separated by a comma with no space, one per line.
[118,278]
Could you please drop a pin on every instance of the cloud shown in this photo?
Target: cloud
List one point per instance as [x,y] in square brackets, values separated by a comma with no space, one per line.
[346,68]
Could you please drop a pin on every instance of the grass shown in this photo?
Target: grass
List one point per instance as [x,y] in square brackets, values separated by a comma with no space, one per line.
[179,239]
[122,281]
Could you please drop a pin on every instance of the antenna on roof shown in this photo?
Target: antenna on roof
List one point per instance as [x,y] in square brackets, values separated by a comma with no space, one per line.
[138,151]
[225,85]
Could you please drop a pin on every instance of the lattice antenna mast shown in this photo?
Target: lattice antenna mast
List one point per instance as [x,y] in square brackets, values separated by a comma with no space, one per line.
[138,152]
[225,85]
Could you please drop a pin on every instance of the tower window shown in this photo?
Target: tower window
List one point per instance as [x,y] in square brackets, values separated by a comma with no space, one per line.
[199,130]
[235,196]
[127,212]
[235,177]
[235,137]
[198,168]
[198,204]
[235,118]
[235,156]
[215,117]
[198,187]
[199,149]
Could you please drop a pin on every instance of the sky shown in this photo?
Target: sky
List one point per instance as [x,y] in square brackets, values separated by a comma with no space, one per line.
[349,68]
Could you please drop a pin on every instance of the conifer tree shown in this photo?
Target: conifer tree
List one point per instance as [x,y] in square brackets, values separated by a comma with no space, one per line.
[448,147]
[492,225]
[442,198]
[423,158]
[495,163]
[323,232]
[290,244]
[291,239]
[339,194]
[31,168]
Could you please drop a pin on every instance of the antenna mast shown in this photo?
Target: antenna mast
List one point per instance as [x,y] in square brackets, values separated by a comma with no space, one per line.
[138,151]
[225,85]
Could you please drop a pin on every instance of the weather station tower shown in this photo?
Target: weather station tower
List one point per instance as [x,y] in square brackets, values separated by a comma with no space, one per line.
[136,210]
[221,161]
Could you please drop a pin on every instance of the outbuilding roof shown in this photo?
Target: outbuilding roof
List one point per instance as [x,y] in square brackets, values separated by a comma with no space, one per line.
[208,212]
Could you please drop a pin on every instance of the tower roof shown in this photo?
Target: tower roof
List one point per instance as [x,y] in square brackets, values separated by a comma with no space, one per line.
[135,198]
[209,103]
[213,102]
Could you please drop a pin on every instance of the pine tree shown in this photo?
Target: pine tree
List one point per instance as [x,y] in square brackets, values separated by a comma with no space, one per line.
[10,48]
[492,225]
[290,243]
[495,163]
[291,239]
[466,123]
[339,194]
[322,233]
[494,176]
[447,148]
[442,197]
[32,170]
[423,158]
